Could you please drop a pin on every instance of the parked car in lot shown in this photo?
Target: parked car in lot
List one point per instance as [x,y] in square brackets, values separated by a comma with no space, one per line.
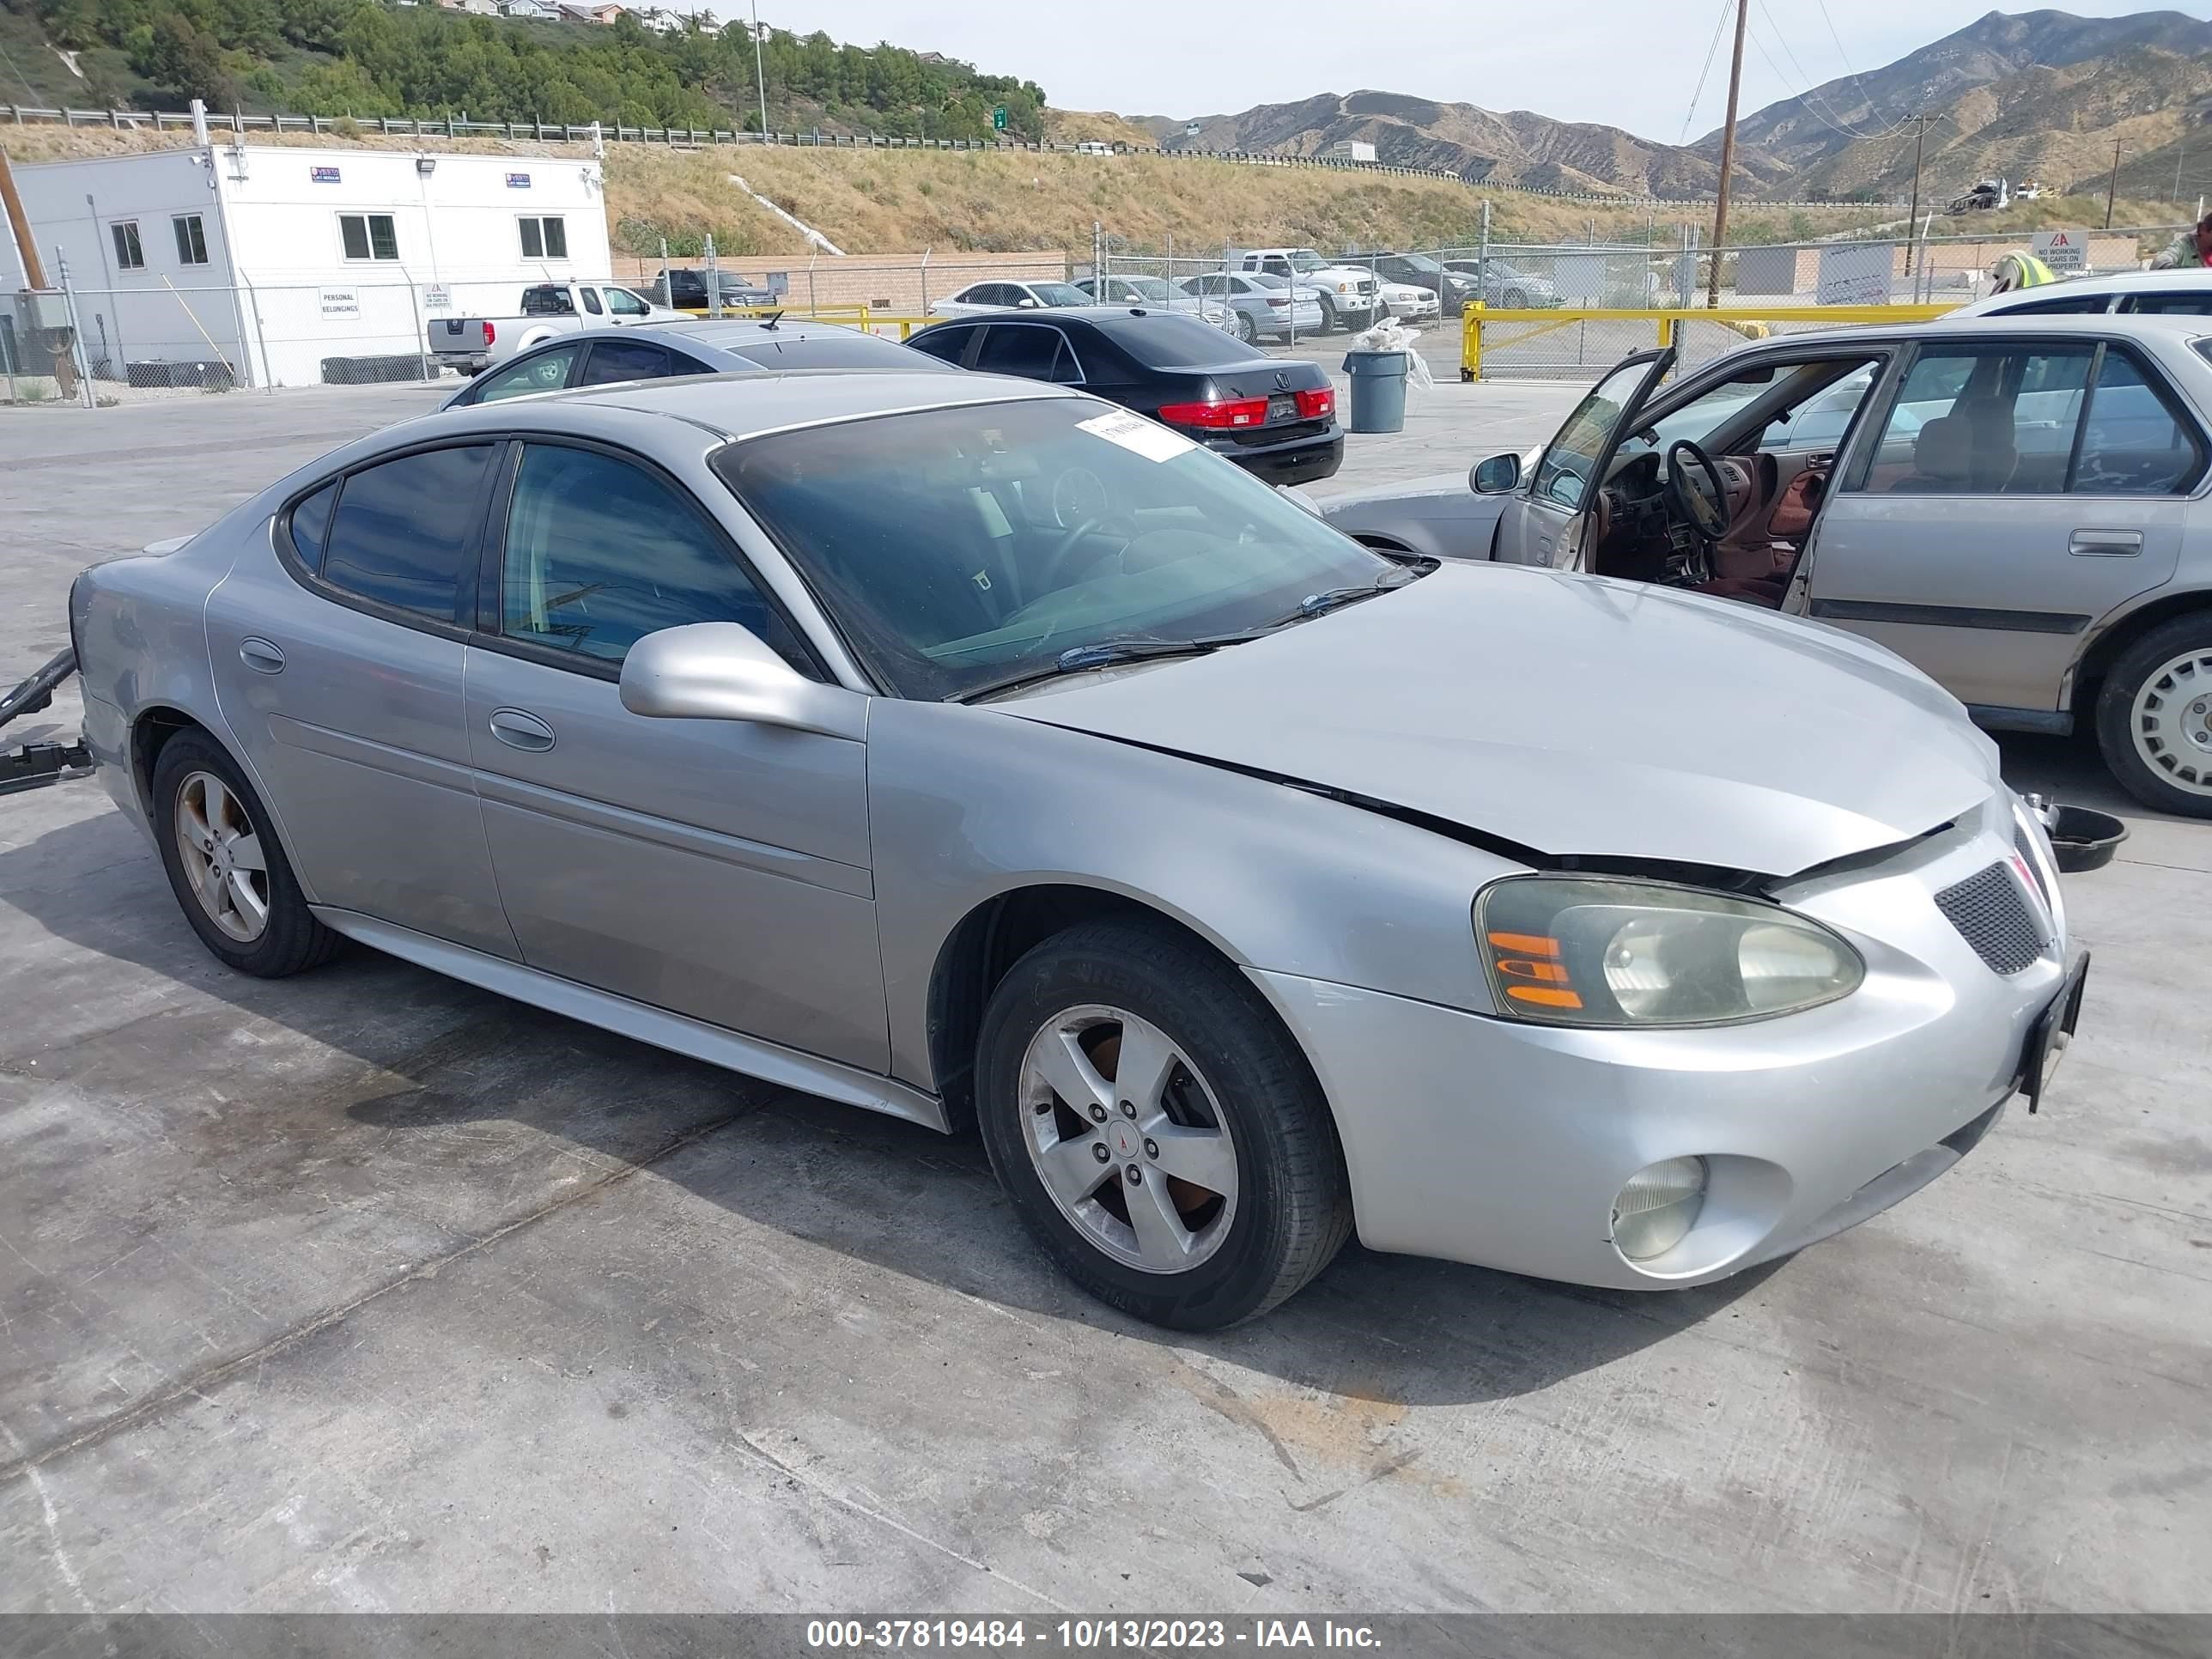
[1407,303]
[1276,420]
[1264,304]
[687,288]
[2016,504]
[1498,283]
[473,344]
[973,750]
[1452,289]
[660,350]
[1346,291]
[977,298]
[2130,292]
[1153,293]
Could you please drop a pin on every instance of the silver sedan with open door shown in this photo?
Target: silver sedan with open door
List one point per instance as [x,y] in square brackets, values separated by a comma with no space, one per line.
[2017,506]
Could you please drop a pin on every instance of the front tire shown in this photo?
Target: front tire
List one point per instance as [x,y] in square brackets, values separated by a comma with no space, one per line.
[1328,323]
[226,866]
[2154,717]
[1157,1129]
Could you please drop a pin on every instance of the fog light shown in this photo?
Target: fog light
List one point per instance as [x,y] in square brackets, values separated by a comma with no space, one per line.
[1658,1207]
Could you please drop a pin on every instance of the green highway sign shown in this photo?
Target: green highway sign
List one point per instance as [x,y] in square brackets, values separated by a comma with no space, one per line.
[999,118]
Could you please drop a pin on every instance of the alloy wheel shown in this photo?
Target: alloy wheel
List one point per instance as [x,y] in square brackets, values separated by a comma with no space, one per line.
[2171,721]
[1127,1139]
[223,861]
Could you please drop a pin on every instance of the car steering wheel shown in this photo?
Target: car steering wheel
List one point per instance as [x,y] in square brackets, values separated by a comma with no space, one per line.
[1055,560]
[1708,513]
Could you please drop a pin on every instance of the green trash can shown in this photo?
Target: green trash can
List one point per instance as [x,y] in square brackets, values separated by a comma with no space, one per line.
[1378,390]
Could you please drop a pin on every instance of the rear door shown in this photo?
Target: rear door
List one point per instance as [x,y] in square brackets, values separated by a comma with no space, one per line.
[2014,491]
[549,370]
[339,666]
[1034,351]
[613,360]
[1543,521]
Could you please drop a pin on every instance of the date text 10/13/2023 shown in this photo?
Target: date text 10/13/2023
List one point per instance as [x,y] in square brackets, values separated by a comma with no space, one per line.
[1086,1635]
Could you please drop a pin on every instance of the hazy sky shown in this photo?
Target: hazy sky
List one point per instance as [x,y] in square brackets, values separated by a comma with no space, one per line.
[1628,63]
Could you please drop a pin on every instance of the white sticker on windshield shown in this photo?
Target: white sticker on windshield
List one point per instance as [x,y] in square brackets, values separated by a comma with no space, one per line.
[1139,435]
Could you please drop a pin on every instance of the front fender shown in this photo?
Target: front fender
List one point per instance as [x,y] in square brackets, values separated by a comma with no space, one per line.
[967,804]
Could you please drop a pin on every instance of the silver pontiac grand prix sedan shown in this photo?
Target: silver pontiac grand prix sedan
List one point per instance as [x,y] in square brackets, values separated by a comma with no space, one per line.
[975,750]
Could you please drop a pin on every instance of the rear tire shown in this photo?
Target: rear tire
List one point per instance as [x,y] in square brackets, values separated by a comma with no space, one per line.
[1227,1092]
[2154,717]
[1247,330]
[1328,323]
[238,891]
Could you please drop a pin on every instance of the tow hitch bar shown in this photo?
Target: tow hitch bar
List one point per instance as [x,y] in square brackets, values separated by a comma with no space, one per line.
[36,764]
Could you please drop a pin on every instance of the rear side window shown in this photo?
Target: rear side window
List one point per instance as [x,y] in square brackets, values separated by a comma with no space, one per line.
[1029,351]
[2188,303]
[947,345]
[547,302]
[625,360]
[2131,442]
[405,532]
[548,371]
[311,525]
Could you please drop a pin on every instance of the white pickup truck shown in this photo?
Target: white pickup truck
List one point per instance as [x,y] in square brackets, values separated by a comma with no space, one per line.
[1347,292]
[473,344]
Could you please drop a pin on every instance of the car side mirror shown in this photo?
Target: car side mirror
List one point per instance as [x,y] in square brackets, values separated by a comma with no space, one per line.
[1495,476]
[724,671]
[1027,303]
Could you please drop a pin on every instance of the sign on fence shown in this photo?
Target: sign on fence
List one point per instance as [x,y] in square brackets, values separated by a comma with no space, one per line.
[341,302]
[1855,274]
[779,282]
[436,297]
[2063,251]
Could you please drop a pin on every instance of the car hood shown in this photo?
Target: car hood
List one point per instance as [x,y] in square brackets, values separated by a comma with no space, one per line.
[1571,716]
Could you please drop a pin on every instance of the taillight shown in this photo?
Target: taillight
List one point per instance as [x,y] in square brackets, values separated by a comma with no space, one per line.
[1244,411]
[1316,405]
[491,332]
[1273,301]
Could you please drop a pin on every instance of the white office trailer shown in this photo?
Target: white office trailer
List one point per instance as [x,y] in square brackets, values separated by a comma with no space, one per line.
[261,265]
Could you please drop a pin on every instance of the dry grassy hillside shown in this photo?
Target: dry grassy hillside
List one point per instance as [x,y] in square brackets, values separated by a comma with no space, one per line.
[903,201]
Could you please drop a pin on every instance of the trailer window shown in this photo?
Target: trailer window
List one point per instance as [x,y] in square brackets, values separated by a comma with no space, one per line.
[369,235]
[545,238]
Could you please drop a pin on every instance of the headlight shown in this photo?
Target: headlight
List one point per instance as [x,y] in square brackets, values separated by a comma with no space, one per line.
[1597,950]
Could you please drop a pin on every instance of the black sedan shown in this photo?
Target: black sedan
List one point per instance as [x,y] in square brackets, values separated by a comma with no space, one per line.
[684,287]
[1453,289]
[1276,419]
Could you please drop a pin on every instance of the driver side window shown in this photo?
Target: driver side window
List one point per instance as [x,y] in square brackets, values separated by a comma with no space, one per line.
[599,553]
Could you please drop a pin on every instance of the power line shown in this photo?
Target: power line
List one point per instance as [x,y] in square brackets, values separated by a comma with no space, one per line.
[1810,99]
[18,73]
[1720,25]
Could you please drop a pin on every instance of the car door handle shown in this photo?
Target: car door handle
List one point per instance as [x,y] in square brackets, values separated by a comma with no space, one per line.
[260,656]
[2106,543]
[518,729]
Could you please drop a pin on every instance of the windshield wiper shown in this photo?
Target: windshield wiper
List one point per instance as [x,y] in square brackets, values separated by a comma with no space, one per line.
[1335,598]
[1105,653]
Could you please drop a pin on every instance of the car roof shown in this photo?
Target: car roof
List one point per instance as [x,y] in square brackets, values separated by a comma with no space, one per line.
[2117,282]
[743,403]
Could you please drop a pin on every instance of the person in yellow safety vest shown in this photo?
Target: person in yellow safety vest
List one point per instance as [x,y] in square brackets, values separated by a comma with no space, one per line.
[2017,269]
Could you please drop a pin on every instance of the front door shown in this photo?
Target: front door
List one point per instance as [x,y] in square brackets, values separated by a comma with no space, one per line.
[714,868]
[1543,521]
[2015,493]
[337,667]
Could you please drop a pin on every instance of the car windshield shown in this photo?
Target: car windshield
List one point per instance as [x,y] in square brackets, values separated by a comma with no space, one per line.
[1059,294]
[960,549]
[1419,262]
[1153,287]
[1303,259]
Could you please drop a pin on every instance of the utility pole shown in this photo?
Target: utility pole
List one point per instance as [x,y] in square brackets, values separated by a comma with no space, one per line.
[760,72]
[1920,142]
[1728,156]
[2113,188]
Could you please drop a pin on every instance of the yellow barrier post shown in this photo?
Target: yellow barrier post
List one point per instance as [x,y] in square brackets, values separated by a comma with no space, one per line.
[1470,341]
[1666,332]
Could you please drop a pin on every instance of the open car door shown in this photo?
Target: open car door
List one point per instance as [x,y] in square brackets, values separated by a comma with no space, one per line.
[1547,520]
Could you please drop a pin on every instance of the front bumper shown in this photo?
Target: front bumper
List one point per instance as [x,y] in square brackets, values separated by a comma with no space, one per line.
[1422,307]
[1502,1143]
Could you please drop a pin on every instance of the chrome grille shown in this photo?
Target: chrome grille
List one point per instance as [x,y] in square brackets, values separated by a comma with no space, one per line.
[1992,913]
